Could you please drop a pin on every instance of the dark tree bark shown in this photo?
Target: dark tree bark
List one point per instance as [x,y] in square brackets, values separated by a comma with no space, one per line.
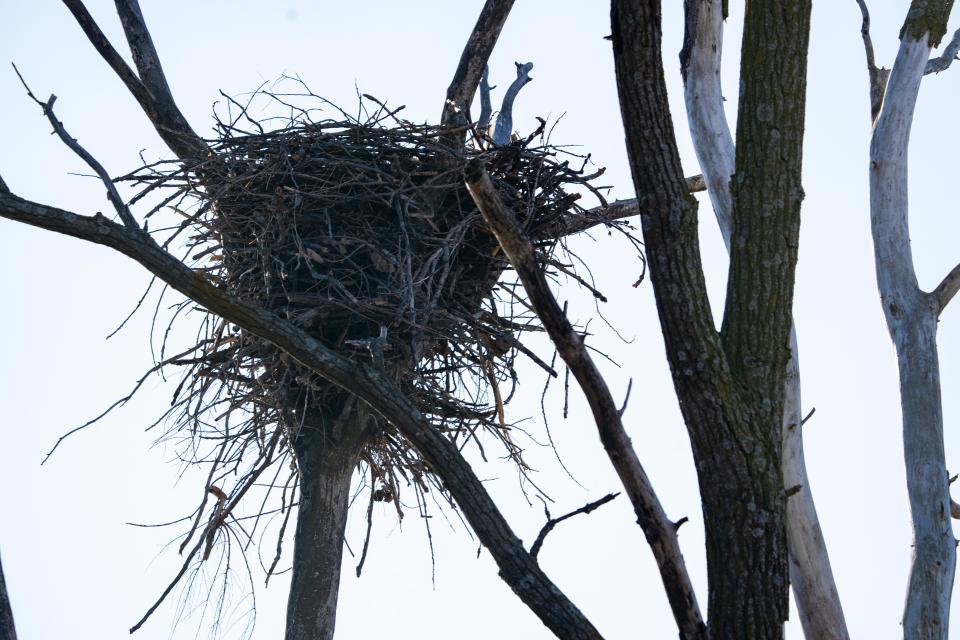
[7,629]
[729,383]
[327,445]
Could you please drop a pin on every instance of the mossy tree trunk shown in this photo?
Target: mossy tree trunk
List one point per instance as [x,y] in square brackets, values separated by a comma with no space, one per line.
[814,588]
[730,383]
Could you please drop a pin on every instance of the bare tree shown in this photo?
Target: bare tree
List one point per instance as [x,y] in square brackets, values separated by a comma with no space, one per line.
[911,313]
[324,383]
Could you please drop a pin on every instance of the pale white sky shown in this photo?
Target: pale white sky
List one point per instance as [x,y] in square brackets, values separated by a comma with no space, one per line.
[75,570]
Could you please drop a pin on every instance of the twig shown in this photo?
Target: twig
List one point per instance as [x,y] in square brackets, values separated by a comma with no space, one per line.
[626,398]
[553,522]
[486,108]
[112,194]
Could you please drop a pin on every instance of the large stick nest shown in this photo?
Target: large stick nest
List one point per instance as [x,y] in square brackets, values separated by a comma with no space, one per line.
[363,234]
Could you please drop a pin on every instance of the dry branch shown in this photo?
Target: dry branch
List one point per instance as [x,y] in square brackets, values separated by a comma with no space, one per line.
[552,522]
[473,61]
[517,567]
[659,530]
[150,89]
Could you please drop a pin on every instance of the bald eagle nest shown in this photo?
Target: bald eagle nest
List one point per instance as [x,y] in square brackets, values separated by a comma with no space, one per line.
[363,234]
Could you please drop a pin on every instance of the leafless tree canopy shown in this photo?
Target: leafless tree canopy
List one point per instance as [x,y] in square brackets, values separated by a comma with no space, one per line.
[366,283]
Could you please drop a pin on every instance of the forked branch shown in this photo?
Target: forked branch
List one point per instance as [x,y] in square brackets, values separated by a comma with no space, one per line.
[112,194]
[814,588]
[150,88]
[473,60]
[501,134]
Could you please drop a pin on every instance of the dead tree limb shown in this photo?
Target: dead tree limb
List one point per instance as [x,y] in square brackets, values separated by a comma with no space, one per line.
[504,126]
[911,315]
[473,60]
[658,529]
[943,61]
[150,87]
[517,567]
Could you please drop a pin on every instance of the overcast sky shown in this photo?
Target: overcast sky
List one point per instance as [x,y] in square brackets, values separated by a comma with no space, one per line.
[76,570]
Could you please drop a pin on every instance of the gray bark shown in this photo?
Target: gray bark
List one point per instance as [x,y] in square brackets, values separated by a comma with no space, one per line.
[911,316]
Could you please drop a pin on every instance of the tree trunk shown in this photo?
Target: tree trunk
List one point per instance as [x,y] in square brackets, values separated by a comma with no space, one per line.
[911,317]
[7,630]
[327,450]
[814,589]
[927,612]
[730,385]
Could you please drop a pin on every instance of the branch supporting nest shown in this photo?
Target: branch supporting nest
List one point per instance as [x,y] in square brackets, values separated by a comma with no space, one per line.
[658,529]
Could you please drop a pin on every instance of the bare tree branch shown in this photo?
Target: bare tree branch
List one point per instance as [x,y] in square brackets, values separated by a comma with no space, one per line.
[473,60]
[7,629]
[517,567]
[626,208]
[150,89]
[553,522]
[501,134]
[659,530]
[878,75]
[947,288]
[486,107]
[943,61]
[112,194]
